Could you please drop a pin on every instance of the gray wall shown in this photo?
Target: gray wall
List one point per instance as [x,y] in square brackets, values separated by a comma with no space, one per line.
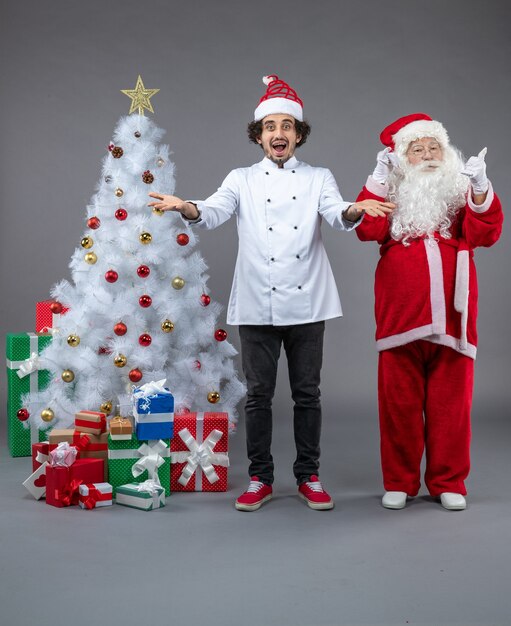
[356,64]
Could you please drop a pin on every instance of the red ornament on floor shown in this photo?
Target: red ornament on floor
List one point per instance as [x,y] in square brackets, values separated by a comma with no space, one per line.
[94,222]
[121,214]
[23,415]
[120,329]
[182,239]
[143,271]
[220,334]
[135,375]
[111,276]
[205,299]
[145,340]
[145,301]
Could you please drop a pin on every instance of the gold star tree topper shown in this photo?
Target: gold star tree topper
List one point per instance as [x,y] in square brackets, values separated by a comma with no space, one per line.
[140,97]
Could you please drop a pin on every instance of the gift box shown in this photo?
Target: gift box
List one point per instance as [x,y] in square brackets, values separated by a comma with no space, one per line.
[146,496]
[90,422]
[153,409]
[45,318]
[199,452]
[62,483]
[36,482]
[40,452]
[121,428]
[24,376]
[134,460]
[94,495]
[89,446]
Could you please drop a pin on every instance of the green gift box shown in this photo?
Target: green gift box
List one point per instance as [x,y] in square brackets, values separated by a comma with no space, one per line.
[135,461]
[21,351]
[147,496]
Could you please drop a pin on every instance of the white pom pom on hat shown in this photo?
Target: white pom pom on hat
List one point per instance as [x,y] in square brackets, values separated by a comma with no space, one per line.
[279,98]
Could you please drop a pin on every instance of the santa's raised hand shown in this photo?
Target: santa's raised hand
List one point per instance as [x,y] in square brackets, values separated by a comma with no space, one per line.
[386,160]
[475,169]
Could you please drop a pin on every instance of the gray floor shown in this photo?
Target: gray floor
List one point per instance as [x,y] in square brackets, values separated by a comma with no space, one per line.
[198,561]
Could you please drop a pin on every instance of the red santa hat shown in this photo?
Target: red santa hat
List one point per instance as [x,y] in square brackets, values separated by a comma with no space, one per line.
[279,98]
[400,133]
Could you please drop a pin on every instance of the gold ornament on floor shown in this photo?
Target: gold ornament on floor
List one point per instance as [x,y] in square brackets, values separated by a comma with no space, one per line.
[120,360]
[68,376]
[47,415]
[167,326]
[178,282]
[73,340]
[145,238]
[140,97]
[213,397]
[90,258]
[119,192]
[87,242]
[106,407]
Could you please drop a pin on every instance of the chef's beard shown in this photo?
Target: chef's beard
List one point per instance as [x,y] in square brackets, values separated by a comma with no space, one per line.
[427,201]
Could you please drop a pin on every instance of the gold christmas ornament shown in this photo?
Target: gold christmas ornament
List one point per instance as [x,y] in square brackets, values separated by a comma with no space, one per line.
[160,162]
[178,282]
[87,242]
[167,326]
[119,192]
[158,211]
[120,360]
[106,407]
[73,340]
[47,415]
[68,376]
[145,238]
[140,97]
[90,258]
[213,397]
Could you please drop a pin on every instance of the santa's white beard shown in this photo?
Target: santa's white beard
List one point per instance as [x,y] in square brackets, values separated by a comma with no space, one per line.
[427,200]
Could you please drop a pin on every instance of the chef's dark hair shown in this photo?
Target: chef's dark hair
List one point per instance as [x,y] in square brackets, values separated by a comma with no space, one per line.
[255,129]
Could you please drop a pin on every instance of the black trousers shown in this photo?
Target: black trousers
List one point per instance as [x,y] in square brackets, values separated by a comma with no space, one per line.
[260,350]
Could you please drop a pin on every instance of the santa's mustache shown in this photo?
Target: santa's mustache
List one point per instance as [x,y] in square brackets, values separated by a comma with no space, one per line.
[426,165]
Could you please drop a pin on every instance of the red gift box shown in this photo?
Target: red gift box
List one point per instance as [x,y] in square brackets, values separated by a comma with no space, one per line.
[45,318]
[92,422]
[198,451]
[89,446]
[40,453]
[62,483]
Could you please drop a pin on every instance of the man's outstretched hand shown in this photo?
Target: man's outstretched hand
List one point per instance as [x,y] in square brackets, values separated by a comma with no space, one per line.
[375,208]
[173,203]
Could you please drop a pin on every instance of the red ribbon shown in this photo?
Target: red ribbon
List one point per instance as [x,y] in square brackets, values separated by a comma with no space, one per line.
[101,425]
[81,441]
[69,495]
[94,496]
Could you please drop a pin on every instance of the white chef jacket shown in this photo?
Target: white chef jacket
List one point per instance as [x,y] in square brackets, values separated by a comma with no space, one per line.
[282,275]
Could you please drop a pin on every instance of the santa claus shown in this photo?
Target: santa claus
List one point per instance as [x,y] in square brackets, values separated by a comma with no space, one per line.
[426,304]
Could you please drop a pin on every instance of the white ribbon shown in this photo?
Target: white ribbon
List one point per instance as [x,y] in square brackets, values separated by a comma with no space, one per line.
[151,389]
[201,456]
[151,460]
[151,487]
[40,457]
[64,455]
[29,366]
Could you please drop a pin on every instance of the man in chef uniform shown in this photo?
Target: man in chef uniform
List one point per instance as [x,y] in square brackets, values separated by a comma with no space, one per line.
[283,288]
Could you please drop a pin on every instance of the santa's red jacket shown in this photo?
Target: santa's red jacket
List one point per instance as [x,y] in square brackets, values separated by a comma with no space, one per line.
[428,290]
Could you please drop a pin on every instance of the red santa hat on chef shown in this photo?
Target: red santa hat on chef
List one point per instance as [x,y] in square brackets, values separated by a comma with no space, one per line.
[400,133]
[279,98]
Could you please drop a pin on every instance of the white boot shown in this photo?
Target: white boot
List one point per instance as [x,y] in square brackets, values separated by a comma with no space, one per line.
[394,500]
[453,501]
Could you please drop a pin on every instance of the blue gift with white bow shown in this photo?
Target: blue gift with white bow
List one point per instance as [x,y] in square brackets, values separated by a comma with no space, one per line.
[153,409]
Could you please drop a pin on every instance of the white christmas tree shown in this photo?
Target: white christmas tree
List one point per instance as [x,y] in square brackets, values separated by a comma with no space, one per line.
[138,309]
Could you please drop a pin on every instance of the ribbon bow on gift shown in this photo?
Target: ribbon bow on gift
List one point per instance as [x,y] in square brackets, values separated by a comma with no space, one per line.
[29,366]
[151,388]
[92,497]
[202,456]
[151,460]
[69,495]
[64,455]
[151,486]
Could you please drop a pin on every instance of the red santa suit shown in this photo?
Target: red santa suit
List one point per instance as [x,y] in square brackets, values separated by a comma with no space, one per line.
[426,335]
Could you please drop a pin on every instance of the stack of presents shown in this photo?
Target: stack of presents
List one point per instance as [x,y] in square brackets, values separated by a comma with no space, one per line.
[136,459]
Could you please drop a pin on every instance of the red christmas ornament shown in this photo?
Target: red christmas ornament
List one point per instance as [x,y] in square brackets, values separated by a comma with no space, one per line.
[145,301]
[197,365]
[23,415]
[145,340]
[104,350]
[111,276]
[143,271]
[120,329]
[205,299]
[220,334]
[121,214]
[182,239]
[147,177]
[135,375]
[184,410]
[56,307]
[94,222]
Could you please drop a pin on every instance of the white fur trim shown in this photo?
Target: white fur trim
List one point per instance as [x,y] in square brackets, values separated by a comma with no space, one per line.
[278,105]
[436,286]
[267,79]
[419,129]
[481,208]
[395,341]
[377,188]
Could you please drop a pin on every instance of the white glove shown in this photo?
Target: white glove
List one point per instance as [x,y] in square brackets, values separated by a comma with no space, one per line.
[475,169]
[386,160]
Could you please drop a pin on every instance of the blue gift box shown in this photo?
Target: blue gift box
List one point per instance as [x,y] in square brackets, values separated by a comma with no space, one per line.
[154,415]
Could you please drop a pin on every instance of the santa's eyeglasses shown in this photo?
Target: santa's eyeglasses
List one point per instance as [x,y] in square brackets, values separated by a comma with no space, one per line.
[420,150]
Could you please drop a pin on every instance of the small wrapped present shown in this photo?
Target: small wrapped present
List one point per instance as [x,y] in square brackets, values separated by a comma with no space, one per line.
[64,455]
[199,452]
[40,452]
[146,496]
[135,459]
[45,318]
[62,483]
[89,446]
[121,428]
[153,409]
[24,376]
[94,495]
[92,422]
[36,482]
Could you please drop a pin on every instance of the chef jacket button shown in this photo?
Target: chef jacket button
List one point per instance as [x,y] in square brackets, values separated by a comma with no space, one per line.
[294,197]
[297,256]
[268,200]
[274,288]
[295,227]
[299,286]
[293,171]
[272,259]
[267,173]
[270,228]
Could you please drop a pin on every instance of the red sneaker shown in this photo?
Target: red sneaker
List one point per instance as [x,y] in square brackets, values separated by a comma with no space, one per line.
[256,495]
[314,494]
